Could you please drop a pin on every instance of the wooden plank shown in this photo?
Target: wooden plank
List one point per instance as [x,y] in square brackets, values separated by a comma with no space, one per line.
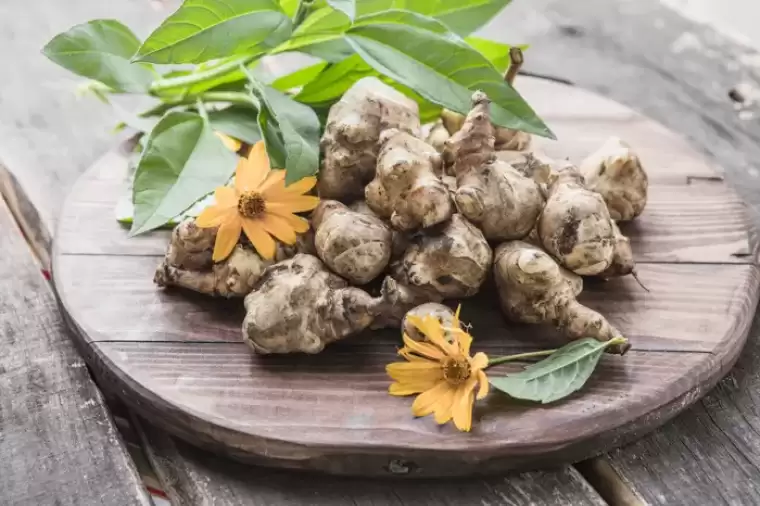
[57,441]
[193,476]
[688,308]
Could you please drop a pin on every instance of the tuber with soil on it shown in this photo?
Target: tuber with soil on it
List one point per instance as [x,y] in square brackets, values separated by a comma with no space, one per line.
[407,188]
[400,240]
[450,261]
[492,194]
[615,172]
[350,142]
[575,226]
[534,288]
[443,314]
[354,245]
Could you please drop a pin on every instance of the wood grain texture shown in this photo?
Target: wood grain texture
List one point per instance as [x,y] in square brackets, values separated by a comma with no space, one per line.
[178,359]
[195,477]
[57,440]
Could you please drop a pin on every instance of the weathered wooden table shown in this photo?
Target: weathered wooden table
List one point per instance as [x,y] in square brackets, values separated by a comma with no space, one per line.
[638,53]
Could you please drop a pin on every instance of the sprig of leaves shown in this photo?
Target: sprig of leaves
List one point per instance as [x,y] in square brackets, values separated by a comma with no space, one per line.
[565,371]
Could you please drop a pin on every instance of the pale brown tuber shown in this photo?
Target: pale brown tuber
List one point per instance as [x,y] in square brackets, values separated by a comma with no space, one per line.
[437,136]
[615,172]
[534,288]
[355,245]
[451,261]
[298,305]
[400,240]
[407,188]
[575,226]
[396,300]
[443,314]
[492,194]
[188,264]
[353,127]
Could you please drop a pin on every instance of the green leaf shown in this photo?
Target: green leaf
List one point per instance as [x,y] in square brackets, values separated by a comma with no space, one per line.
[289,7]
[321,26]
[183,161]
[125,211]
[562,373]
[461,16]
[101,50]
[298,78]
[495,52]
[290,129]
[347,7]
[420,53]
[203,30]
[237,121]
[335,80]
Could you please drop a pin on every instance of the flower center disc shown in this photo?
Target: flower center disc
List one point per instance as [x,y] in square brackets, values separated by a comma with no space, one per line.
[456,371]
[251,204]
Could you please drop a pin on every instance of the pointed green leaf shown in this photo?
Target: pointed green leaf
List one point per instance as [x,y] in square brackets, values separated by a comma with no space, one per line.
[237,121]
[562,373]
[202,30]
[101,50]
[420,53]
[291,132]
[183,161]
[461,16]
[347,7]
[298,78]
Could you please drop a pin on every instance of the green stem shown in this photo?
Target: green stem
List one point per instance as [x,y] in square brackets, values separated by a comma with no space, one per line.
[304,6]
[232,97]
[519,356]
[198,77]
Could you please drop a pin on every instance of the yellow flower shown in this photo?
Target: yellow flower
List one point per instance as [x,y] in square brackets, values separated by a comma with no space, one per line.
[261,205]
[230,143]
[442,371]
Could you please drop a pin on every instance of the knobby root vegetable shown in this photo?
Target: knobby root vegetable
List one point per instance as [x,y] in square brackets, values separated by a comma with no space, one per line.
[534,288]
[533,164]
[504,138]
[298,305]
[575,226]
[407,188]
[400,240]
[437,136]
[501,201]
[615,172]
[622,259]
[443,314]
[353,127]
[188,262]
[354,245]
[396,300]
[451,261]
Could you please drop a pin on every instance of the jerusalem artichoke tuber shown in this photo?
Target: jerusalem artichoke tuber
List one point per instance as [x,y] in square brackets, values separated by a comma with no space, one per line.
[615,172]
[450,261]
[407,187]
[300,306]
[501,201]
[354,245]
[400,240]
[353,127]
[575,226]
[533,288]
[444,314]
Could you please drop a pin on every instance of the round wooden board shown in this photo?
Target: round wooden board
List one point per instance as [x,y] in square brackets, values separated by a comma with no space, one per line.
[178,360]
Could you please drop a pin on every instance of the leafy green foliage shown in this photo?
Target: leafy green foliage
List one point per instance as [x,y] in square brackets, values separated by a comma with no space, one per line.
[299,77]
[101,50]
[415,51]
[291,132]
[347,7]
[237,121]
[495,52]
[183,161]
[203,30]
[562,373]
[460,16]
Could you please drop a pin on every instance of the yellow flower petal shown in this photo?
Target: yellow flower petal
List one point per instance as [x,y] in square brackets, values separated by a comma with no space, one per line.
[482,384]
[229,142]
[443,406]
[299,224]
[275,180]
[214,216]
[226,238]
[278,227]
[226,196]
[425,403]
[414,371]
[260,239]
[465,341]
[297,204]
[461,409]
[298,188]
[410,388]
[252,171]
[479,361]
[425,349]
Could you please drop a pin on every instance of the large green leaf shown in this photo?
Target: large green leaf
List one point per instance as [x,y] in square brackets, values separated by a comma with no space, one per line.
[203,30]
[298,78]
[562,373]
[290,129]
[237,121]
[461,16]
[324,25]
[101,50]
[419,53]
[347,7]
[183,161]
[335,80]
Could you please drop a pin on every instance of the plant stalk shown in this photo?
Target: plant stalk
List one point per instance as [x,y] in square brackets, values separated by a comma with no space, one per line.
[516,60]
[232,97]
[199,77]
[304,6]
[519,356]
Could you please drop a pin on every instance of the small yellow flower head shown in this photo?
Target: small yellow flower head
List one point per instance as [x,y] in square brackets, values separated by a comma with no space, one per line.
[260,205]
[442,371]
